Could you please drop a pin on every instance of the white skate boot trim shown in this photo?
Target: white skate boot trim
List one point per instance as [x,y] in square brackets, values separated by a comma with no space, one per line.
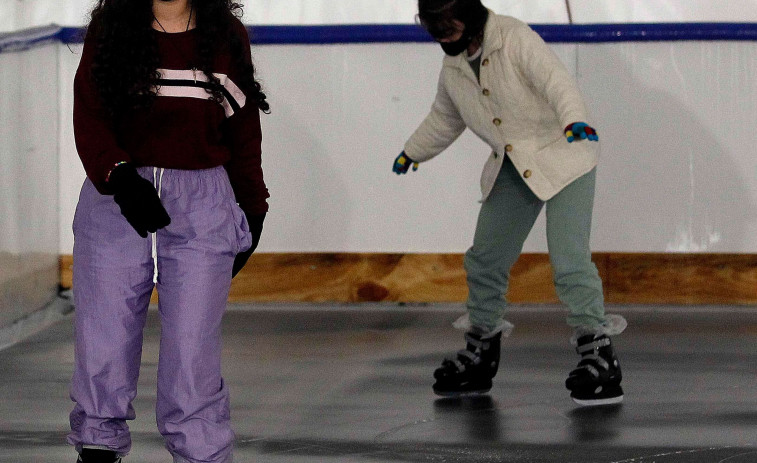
[601,363]
[474,359]
[614,325]
[505,327]
[480,344]
[598,402]
[593,346]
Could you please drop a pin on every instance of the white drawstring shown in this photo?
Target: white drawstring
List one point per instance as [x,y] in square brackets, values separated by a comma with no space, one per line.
[158,182]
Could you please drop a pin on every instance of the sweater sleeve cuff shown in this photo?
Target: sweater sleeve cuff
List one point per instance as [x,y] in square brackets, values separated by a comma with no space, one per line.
[573,116]
[414,152]
[252,209]
[118,164]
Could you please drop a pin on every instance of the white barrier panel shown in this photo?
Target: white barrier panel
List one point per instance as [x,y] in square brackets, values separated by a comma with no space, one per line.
[29,241]
[679,166]
[15,15]
[677,173]
[385,11]
[655,11]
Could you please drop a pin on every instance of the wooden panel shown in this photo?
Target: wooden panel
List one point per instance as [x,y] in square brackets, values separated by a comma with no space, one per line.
[352,278]
[384,277]
[66,271]
[682,278]
[531,280]
[628,278]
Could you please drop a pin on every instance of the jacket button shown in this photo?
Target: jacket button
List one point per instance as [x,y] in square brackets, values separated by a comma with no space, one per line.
[497,122]
[496,155]
[509,148]
[486,92]
[485,62]
[527,174]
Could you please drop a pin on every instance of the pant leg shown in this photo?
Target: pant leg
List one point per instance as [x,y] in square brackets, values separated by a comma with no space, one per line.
[112,287]
[504,222]
[568,233]
[195,258]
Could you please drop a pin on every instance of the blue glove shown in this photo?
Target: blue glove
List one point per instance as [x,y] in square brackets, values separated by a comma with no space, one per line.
[402,164]
[580,130]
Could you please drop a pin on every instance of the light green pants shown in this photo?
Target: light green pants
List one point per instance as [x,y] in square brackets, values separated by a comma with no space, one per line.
[505,220]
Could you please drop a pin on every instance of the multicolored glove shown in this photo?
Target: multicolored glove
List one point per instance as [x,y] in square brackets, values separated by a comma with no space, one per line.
[580,131]
[402,164]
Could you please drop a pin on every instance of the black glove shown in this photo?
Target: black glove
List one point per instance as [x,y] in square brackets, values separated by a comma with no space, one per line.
[138,200]
[256,228]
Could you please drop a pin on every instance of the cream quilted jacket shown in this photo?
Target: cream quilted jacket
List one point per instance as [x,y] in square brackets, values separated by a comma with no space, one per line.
[520,108]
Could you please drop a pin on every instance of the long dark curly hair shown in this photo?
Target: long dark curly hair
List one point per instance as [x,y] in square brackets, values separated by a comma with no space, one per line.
[126,54]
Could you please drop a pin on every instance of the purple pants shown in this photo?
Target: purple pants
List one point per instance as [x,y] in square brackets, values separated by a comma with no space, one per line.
[114,271]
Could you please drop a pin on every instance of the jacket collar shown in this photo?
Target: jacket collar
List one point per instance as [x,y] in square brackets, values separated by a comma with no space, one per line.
[492,42]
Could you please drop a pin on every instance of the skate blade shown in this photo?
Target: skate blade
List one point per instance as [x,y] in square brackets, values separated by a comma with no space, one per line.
[461,394]
[598,402]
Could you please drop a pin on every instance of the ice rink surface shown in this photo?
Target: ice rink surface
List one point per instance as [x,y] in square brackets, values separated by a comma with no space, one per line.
[322,383]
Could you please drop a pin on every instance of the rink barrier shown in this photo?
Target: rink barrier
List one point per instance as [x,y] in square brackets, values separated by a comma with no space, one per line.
[652,278]
[408,33]
[628,278]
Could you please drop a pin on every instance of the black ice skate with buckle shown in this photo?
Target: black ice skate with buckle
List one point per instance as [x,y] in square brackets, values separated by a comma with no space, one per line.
[596,379]
[98,456]
[472,371]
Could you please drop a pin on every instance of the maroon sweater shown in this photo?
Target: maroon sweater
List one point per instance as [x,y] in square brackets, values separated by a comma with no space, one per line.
[183,129]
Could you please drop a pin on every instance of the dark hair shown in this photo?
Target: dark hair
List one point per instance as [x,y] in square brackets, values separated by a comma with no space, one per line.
[126,59]
[437,16]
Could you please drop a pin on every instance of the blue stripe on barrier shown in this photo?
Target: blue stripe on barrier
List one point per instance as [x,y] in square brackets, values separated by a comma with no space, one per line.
[367,33]
[665,32]
[400,33]
[72,34]
[363,33]
[590,33]
[28,38]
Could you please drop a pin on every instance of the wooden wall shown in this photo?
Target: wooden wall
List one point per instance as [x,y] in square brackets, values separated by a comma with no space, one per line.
[628,278]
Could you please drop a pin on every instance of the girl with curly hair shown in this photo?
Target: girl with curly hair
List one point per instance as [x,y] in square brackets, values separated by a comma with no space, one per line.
[167,126]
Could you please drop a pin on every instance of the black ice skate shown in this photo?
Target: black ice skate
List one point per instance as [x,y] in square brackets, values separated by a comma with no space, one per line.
[596,379]
[473,369]
[98,456]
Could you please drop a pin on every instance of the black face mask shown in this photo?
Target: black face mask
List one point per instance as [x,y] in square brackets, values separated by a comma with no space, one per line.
[457,47]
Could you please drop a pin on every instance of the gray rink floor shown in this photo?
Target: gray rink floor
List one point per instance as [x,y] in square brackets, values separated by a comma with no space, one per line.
[321,383]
